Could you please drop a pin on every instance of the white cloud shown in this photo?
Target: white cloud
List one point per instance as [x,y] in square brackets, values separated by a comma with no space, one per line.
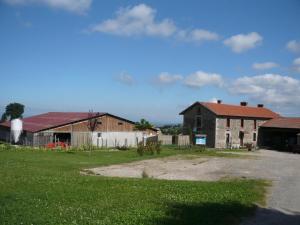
[243,42]
[77,6]
[213,100]
[296,64]
[167,78]
[200,79]
[264,65]
[197,35]
[268,88]
[125,78]
[293,46]
[140,20]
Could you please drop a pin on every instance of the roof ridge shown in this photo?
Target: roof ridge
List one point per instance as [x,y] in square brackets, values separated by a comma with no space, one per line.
[226,104]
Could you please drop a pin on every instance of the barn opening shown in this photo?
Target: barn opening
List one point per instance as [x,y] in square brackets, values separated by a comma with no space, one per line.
[280,133]
[63,137]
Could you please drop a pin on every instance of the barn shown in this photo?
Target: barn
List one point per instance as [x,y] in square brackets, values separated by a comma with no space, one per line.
[74,128]
[281,133]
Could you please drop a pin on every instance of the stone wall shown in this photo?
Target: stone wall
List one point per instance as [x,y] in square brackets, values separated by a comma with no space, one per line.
[208,123]
[234,131]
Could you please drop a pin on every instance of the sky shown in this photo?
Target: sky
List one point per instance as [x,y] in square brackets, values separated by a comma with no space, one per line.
[149,59]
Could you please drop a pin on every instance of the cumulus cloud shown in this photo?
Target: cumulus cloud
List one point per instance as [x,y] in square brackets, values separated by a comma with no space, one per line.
[243,42]
[140,20]
[167,78]
[264,65]
[125,78]
[213,100]
[268,88]
[296,64]
[200,79]
[77,6]
[197,35]
[293,46]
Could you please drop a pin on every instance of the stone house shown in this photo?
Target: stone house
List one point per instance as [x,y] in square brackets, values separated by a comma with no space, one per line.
[226,125]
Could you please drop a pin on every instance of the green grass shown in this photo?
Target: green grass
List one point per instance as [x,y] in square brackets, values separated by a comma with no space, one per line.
[44,187]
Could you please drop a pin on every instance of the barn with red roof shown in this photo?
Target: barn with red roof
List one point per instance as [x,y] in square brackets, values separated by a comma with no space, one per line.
[77,128]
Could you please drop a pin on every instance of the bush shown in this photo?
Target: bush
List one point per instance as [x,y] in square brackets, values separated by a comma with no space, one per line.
[145,174]
[123,148]
[150,148]
[140,148]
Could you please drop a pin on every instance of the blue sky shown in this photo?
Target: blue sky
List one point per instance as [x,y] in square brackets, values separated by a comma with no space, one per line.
[149,58]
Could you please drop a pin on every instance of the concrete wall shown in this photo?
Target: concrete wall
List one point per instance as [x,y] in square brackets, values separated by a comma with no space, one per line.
[234,131]
[208,123]
[115,139]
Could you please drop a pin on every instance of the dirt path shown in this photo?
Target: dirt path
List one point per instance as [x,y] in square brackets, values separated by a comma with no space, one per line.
[283,203]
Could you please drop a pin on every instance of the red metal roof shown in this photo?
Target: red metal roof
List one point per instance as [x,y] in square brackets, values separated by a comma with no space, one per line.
[52,119]
[283,122]
[237,110]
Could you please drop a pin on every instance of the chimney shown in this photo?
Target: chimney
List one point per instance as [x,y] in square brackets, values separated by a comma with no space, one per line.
[244,103]
[219,101]
[260,105]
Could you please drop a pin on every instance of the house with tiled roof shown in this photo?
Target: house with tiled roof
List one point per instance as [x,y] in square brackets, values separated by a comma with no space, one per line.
[226,125]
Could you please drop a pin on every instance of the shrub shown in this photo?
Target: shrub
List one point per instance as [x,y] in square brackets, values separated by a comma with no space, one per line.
[145,174]
[150,148]
[123,148]
[140,148]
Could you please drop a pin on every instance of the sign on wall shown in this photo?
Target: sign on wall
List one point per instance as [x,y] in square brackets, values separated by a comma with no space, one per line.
[200,139]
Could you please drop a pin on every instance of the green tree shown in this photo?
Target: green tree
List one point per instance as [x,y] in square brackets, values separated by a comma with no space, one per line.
[143,125]
[13,111]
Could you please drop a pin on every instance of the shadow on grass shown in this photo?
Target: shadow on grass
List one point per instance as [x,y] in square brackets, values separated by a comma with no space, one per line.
[229,213]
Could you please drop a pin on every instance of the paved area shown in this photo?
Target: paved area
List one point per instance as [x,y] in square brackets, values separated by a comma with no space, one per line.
[283,202]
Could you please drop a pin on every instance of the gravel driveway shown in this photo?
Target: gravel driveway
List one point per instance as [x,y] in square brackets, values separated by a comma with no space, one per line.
[283,203]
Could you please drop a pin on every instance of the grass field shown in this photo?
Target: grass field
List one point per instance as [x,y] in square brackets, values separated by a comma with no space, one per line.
[44,187]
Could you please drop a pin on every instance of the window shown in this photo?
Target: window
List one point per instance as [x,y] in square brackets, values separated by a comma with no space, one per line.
[120,123]
[228,122]
[198,122]
[99,122]
[242,122]
[254,124]
[199,111]
[254,136]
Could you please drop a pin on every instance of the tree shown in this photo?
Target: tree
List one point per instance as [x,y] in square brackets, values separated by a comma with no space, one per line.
[92,125]
[13,111]
[92,121]
[143,125]
[175,129]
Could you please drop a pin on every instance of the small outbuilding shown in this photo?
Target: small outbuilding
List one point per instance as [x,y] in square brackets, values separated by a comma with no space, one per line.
[281,133]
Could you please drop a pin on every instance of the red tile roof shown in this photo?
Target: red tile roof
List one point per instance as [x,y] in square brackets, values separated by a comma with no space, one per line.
[236,110]
[283,122]
[51,120]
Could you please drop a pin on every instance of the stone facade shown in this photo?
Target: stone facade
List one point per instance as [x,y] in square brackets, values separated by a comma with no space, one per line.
[208,123]
[231,136]
[215,127]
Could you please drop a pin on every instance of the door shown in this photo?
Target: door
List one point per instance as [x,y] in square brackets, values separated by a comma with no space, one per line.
[241,138]
[227,140]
